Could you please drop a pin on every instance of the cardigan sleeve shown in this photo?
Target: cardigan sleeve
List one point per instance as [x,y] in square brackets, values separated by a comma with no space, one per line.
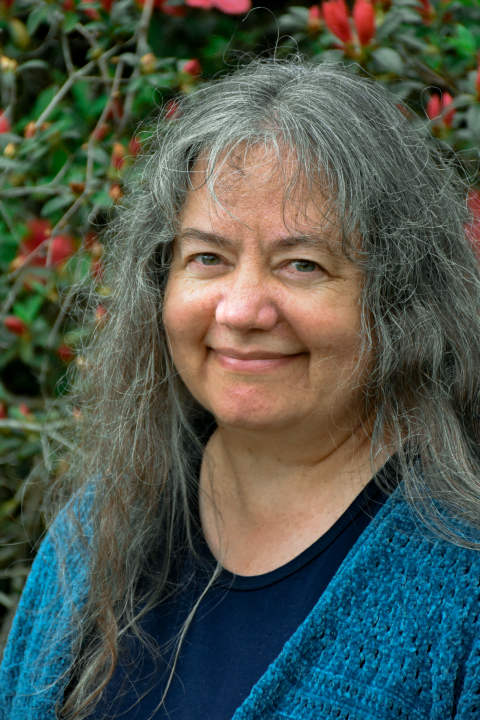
[33,673]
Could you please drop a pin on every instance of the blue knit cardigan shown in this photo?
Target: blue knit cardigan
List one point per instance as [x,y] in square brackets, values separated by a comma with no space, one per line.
[396,635]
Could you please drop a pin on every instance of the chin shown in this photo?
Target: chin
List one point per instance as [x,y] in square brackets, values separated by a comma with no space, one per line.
[253,416]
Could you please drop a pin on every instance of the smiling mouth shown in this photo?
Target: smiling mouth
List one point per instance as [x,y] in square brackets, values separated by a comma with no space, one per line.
[254,361]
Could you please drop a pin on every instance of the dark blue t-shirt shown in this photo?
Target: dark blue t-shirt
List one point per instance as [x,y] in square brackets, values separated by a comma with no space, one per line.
[239,628]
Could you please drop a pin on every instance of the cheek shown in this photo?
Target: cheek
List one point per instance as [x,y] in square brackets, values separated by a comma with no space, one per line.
[329,328]
[187,315]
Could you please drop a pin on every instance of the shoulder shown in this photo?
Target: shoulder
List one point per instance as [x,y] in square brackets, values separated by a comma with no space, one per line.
[39,642]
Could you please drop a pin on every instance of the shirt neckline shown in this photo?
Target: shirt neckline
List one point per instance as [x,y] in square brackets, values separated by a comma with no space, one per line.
[370,499]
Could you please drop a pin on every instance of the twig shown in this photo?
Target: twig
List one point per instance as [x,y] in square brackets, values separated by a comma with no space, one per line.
[10,299]
[102,65]
[67,55]
[68,84]
[34,426]
[8,220]
[53,333]
[141,39]
[89,168]
[30,189]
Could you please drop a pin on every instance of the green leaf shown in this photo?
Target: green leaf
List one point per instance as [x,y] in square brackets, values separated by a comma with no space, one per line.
[102,198]
[56,204]
[473,120]
[29,308]
[36,17]
[8,249]
[9,137]
[7,356]
[130,59]
[394,19]
[44,99]
[69,22]
[33,65]
[464,43]
[388,60]
[7,163]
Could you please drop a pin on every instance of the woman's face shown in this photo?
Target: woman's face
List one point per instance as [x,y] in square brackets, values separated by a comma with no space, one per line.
[263,320]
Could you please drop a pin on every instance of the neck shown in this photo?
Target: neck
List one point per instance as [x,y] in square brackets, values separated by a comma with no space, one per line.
[264,497]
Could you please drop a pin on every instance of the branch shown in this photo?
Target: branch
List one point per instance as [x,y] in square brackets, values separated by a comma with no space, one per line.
[68,84]
[8,220]
[141,39]
[30,189]
[36,427]
[66,55]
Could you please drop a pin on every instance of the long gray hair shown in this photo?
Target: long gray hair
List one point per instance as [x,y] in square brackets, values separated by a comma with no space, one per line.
[143,432]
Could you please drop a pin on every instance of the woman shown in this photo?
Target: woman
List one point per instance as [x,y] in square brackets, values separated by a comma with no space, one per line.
[282,427]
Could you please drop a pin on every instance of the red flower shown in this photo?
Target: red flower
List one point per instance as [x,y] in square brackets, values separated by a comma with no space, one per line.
[68,5]
[437,105]
[100,132]
[115,108]
[448,117]
[135,145]
[97,270]
[25,410]
[118,155]
[15,325]
[100,313]
[65,353]
[335,13]
[231,7]
[62,246]
[3,411]
[173,10]
[364,19]
[171,110]
[314,21]
[4,123]
[192,67]
[426,11]
[90,12]
[434,107]
[39,231]
[107,5]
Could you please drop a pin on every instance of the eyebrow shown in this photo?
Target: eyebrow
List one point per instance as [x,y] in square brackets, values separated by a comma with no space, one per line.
[277,243]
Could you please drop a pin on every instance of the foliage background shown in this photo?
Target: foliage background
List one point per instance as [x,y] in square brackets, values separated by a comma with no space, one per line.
[76,80]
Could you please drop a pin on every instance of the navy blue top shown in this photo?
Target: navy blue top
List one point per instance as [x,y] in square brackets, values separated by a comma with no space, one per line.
[239,628]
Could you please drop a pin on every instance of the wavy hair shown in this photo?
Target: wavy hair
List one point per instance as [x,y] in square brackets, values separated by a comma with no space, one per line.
[143,433]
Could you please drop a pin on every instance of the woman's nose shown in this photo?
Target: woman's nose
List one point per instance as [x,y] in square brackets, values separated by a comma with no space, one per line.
[246,303]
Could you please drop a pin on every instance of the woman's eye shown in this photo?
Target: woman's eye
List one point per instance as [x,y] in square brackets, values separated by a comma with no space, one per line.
[206,259]
[305,266]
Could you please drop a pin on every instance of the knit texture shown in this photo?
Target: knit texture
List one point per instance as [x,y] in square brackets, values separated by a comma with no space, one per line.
[395,635]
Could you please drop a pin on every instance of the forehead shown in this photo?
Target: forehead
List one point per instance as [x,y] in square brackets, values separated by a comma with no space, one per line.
[255,193]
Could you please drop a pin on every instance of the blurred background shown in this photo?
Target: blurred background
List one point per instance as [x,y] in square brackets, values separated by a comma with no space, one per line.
[77,79]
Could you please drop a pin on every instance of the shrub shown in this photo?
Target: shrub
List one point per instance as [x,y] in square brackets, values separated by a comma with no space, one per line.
[77,80]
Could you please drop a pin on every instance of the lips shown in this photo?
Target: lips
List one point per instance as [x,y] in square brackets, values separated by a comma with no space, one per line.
[251,354]
[253,361]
